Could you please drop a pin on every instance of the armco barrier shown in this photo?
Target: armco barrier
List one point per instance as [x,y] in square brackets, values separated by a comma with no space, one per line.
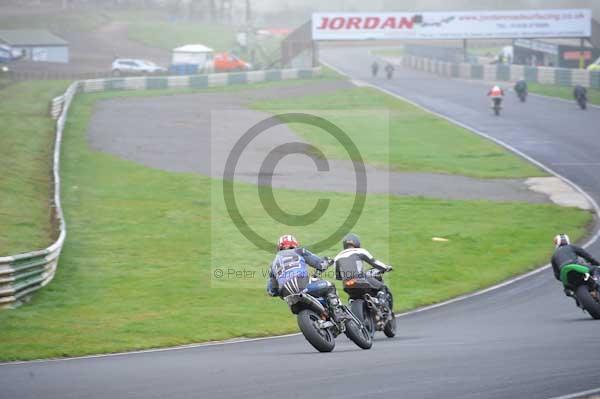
[503,72]
[23,274]
[595,79]
[56,106]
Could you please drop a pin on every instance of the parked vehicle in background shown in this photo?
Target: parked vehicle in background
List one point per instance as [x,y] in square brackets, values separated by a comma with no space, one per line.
[225,62]
[127,66]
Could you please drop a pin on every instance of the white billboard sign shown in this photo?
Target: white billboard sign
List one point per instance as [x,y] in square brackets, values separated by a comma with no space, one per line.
[452,25]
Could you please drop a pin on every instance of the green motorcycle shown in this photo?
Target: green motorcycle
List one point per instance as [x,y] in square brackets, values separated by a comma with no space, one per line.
[584,282]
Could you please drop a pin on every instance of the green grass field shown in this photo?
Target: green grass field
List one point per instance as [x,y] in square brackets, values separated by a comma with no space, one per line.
[26,139]
[414,140]
[563,92]
[136,271]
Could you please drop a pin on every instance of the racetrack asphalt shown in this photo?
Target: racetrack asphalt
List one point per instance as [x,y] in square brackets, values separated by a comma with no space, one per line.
[524,340]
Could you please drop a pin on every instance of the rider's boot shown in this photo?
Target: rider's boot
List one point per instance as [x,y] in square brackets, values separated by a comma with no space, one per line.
[569,292]
[336,307]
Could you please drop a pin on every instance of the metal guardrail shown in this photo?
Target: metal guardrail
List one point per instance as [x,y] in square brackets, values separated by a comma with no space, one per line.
[502,72]
[23,274]
[56,106]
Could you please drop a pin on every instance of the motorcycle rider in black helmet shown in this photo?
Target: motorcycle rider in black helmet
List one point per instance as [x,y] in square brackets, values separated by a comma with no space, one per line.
[568,254]
[349,263]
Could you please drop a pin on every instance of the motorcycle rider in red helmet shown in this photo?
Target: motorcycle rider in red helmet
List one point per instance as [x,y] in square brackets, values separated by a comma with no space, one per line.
[289,272]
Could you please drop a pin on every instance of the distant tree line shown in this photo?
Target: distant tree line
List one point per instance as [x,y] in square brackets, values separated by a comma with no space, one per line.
[216,10]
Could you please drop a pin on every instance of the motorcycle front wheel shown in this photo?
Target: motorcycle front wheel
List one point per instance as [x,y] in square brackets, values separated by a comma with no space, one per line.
[390,327]
[320,338]
[587,301]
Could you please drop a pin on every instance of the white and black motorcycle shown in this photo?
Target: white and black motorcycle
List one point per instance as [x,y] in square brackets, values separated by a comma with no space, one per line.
[373,306]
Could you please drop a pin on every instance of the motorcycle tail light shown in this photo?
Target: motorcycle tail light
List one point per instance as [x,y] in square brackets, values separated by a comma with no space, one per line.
[350,283]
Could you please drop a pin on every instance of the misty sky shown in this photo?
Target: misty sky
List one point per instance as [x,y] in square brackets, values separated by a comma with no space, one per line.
[425,5]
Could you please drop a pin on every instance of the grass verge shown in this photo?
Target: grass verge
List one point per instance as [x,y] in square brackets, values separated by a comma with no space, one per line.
[563,92]
[417,140]
[136,270]
[26,141]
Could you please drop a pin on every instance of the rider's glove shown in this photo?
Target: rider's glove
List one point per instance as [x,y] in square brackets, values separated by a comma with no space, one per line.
[389,268]
[326,262]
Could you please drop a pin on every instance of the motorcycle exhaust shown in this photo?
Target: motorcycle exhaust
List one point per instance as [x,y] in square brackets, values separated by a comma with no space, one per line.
[313,303]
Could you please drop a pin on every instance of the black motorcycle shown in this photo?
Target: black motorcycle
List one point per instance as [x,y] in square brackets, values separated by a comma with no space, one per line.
[322,316]
[583,285]
[389,73]
[496,105]
[582,101]
[521,90]
[372,306]
[374,69]
[580,94]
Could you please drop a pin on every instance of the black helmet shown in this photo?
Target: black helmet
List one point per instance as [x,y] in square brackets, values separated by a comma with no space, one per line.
[351,240]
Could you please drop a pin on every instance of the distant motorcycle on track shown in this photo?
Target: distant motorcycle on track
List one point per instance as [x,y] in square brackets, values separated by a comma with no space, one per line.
[389,71]
[374,69]
[521,90]
[496,105]
[311,299]
[580,94]
[496,94]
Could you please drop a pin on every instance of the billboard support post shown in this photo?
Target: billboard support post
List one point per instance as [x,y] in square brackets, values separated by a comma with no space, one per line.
[581,55]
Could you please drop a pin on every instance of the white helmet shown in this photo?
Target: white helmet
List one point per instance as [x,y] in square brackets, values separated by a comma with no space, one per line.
[561,239]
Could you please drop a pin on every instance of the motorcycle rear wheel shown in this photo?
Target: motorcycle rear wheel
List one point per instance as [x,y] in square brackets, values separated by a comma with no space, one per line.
[359,308]
[321,339]
[587,301]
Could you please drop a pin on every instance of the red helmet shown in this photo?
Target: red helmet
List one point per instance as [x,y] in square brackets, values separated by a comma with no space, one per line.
[287,242]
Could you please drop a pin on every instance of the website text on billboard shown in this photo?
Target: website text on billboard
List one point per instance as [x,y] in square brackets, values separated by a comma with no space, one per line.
[452,25]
